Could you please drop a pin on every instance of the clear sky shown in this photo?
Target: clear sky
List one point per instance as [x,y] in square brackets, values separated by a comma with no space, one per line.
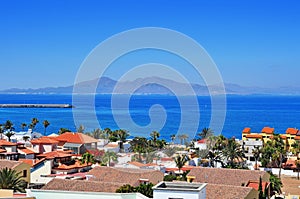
[253,42]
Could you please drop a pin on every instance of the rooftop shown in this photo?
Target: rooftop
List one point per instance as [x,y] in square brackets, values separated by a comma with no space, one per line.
[268,130]
[214,191]
[44,140]
[6,143]
[9,164]
[78,138]
[179,186]
[235,177]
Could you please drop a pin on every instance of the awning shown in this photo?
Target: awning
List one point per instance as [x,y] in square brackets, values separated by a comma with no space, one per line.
[72,145]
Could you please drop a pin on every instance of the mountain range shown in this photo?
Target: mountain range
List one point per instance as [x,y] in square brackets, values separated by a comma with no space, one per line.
[153,85]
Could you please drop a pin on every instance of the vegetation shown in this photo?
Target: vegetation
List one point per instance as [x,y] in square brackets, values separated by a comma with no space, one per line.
[109,157]
[63,130]
[10,179]
[297,163]
[206,133]
[169,178]
[145,189]
[275,184]
[46,124]
[183,138]
[180,161]
[87,158]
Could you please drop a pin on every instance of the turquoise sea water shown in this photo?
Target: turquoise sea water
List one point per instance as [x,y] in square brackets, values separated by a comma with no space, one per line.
[256,112]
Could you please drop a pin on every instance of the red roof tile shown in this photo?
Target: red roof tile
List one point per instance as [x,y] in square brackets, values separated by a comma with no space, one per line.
[292,131]
[54,154]
[214,191]
[44,140]
[268,130]
[203,141]
[297,137]
[2,150]
[26,150]
[254,136]
[125,175]
[82,185]
[6,143]
[78,138]
[255,184]
[246,130]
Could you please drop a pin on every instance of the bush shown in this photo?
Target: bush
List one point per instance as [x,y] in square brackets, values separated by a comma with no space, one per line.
[169,178]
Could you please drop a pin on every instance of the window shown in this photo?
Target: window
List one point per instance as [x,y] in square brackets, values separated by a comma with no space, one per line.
[24,173]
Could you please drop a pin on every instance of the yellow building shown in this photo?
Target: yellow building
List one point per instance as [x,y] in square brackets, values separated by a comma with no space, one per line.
[19,166]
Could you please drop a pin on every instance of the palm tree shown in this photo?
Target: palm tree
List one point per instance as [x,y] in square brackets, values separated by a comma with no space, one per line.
[180,161]
[275,183]
[154,136]
[232,153]
[63,130]
[9,126]
[34,122]
[9,134]
[23,125]
[10,179]
[87,158]
[26,138]
[256,152]
[80,129]
[46,124]
[109,156]
[122,136]
[139,145]
[173,137]
[97,133]
[277,156]
[183,138]
[1,131]
[205,133]
[297,162]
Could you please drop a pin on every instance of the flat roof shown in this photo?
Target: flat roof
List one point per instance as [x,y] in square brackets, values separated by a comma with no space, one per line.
[180,186]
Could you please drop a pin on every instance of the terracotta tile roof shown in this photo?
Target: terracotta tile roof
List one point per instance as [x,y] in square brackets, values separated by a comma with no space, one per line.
[297,137]
[54,154]
[77,165]
[9,164]
[235,177]
[292,131]
[283,136]
[26,150]
[268,130]
[44,140]
[6,143]
[166,159]
[112,145]
[253,135]
[2,150]
[125,176]
[246,130]
[203,141]
[82,185]
[137,164]
[78,138]
[255,184]
[214,191]
[32,162]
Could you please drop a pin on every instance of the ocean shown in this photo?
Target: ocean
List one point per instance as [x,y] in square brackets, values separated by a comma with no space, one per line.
[256,112]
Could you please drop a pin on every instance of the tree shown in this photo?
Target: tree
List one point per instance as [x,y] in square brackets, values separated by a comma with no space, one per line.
[139,145]
[46,124]
[173,137]
[233,153]
[256,152]
[80,129]
[11,179]
[154,136]
[275,183]
[34,122]
[205,133]
[23,125]
[145,189]
[1,131]
[183,138]
[87,158]
[109,156]
[260,191]
[127,188]
[63,130]
[180,161]
[26,138]
[9,127]
[297,162]
[122,136]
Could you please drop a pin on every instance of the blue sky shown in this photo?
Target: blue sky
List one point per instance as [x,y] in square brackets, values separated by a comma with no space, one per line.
[253,42]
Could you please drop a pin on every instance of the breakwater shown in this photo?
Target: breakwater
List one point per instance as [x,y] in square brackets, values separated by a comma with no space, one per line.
[36,106]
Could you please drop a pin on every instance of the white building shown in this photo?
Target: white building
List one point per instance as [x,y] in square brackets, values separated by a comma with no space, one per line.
[182,190]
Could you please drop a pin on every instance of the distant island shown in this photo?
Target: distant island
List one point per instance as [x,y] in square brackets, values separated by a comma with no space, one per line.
[106,86]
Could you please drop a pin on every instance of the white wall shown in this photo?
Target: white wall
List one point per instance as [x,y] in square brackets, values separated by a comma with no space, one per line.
[166,194]
[35,176]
